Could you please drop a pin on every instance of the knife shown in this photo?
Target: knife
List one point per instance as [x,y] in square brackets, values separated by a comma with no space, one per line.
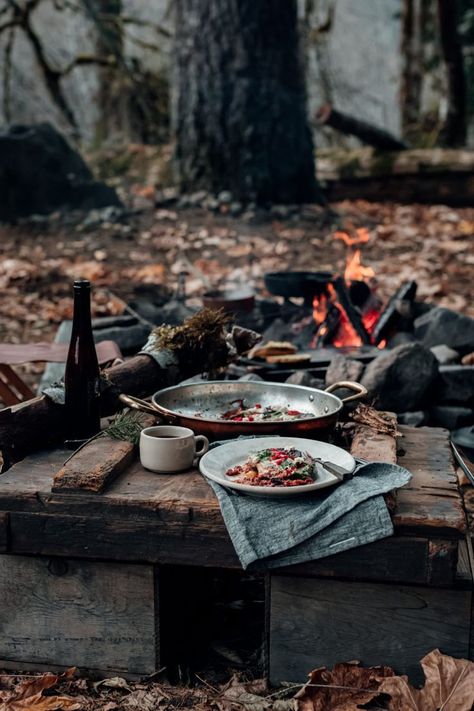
[338,471]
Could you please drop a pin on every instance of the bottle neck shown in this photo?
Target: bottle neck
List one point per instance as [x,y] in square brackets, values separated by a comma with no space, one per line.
[81,321]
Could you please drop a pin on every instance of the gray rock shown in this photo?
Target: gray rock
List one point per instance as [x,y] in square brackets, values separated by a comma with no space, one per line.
[281,211]
[444,354]
[40,173]
[400,339]
[398,379]
[235,208]
[251,377]
[198,197]
[212,204]
[302,377]
[451,416]
[249,216]
[442,326]
[225,197]
[342,368]
[418,418]
[455,384]
[183,202]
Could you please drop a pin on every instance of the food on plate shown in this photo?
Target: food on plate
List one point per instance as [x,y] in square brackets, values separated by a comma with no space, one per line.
[260,413]
[272,348]
[277,466]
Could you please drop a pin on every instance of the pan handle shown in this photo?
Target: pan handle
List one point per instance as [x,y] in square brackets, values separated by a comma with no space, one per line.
[359,389]
[136,404]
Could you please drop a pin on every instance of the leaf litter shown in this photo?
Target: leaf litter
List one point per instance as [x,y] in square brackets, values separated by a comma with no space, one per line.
[449,686]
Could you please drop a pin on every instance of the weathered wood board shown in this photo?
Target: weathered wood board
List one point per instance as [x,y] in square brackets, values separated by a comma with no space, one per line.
[431,500]
[320,622]
[95,466]
[163,518]
[3,531]
[58,611]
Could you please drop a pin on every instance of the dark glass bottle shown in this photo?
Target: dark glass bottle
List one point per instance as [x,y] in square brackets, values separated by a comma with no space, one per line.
[81,378]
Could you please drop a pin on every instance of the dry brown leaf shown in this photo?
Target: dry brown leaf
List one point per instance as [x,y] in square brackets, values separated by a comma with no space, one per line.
[345,688]
[151,274]
[449,686]
[28,695]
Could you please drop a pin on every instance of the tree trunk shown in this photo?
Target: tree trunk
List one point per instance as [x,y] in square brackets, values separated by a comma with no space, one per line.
[239,105]
[454,130]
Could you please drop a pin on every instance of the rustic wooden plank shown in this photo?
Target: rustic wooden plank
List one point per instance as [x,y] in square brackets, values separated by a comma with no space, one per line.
[78,613]
[373,446]
[198,542]
[376,447]
[4,522]
[399,559]
[95,466]
[321,622]
[119,539]
[430,502]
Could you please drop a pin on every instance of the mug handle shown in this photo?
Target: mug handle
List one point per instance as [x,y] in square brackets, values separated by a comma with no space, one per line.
[205,445]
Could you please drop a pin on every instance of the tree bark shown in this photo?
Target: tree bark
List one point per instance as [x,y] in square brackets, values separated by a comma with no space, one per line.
[239,104]
[454,130]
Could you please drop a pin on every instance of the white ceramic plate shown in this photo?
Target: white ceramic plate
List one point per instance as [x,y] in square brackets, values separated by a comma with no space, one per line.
[216,462]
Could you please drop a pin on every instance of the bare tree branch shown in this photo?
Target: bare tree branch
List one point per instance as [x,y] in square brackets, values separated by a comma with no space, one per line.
[85,59]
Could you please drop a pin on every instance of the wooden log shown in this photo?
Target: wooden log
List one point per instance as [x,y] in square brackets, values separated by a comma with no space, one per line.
[39,422]
[98,616]
[366,132]
[95,466]
[352,313]
[421,175]
[390,316]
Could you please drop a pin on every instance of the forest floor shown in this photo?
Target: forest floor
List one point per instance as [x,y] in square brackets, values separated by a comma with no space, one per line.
[40,258]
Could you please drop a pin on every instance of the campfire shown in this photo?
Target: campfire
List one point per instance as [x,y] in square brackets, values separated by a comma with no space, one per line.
[347,312]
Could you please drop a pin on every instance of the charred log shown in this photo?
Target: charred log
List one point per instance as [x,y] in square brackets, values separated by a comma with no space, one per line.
[390,317]
[327,115]
[352,313]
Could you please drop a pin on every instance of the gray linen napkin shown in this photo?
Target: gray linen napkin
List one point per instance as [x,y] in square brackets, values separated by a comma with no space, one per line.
[270,533]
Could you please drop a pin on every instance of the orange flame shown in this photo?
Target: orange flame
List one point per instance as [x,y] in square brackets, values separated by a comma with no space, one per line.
[355,271]
[362,236]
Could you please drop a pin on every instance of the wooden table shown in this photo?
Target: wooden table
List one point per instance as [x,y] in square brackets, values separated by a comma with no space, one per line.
[82,568]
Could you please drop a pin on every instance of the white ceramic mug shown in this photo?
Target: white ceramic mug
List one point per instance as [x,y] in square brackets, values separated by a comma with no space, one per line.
[167,449]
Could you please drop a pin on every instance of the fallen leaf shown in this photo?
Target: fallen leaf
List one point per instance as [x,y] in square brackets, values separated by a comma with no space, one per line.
[449,686]
[345,688]
[115,682]
[28,695]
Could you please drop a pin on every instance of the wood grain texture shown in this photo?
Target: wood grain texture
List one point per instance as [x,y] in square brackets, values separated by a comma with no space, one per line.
[319,622]
[4,521]
[78,613]
[176,518]
[431,500]
[95,466]
[373,446]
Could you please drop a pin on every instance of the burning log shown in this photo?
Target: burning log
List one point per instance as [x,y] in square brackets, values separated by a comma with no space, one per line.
[391,316]
[352,313]
[199,345]
[327,115]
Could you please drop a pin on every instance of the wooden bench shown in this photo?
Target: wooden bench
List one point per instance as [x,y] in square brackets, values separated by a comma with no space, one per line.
[68,554]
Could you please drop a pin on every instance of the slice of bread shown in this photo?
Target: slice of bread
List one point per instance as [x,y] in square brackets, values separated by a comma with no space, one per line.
[272,348]
[289,358]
